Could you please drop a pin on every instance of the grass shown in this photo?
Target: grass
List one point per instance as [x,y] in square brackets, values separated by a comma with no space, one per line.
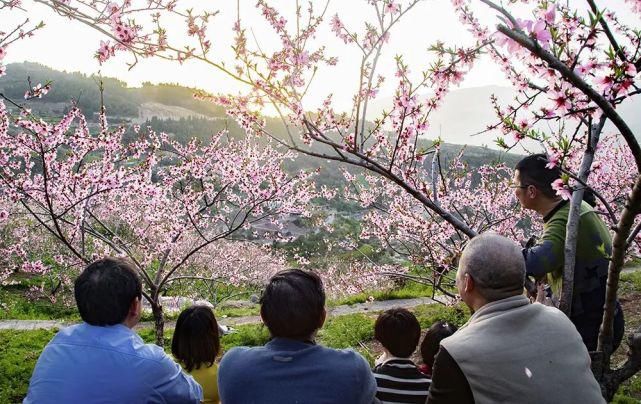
[630,281]
[428,314]
[410,290]
[629,392]
[19,351]
[350,331]
[245,335]
[224,311]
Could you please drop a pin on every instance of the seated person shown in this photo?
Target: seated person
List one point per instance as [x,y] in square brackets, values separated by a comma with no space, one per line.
[195,346]
[432,342]
[292,368]
[397,377]
[510,350]
[103,359]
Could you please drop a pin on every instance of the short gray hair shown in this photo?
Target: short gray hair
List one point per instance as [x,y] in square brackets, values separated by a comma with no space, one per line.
[496,265]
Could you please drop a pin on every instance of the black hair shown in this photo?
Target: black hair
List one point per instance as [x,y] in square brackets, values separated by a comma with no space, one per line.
[533,171]
[293,304]
[196,341]
[589,197]
[432,340]
[398,331]
[105,290]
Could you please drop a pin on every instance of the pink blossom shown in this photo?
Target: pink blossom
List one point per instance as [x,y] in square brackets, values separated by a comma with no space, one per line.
[35,267]
[605,83]
[550,14]
[392,8]
[553,160]
[562,102]
[105,51]
[562,189]
[629,69]
[339,29]
[540,32]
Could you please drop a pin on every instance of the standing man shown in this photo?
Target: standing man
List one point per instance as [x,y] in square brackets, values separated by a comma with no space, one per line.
[103,360]
[533,188]
[292,368]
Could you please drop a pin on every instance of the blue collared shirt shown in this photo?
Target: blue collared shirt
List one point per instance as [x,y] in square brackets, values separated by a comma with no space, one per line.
[91,364]
[286,371]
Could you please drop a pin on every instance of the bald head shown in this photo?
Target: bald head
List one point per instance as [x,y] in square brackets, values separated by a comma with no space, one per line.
[496,265]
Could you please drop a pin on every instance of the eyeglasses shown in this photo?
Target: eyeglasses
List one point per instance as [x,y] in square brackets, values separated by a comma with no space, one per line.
[519,186]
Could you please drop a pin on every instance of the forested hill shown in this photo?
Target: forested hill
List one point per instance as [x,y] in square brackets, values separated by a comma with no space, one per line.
[169,108]
[120,100]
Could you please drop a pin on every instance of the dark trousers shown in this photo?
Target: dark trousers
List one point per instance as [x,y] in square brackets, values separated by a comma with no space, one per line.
[588,325]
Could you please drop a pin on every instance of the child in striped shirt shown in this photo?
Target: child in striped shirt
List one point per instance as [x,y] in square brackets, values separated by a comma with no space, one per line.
[397,377]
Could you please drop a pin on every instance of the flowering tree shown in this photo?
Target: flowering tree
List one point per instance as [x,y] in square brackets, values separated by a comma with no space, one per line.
[579,63]
[160,203]
[583,64]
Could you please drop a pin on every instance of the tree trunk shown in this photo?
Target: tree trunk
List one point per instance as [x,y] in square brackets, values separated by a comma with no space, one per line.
[574,216]
[619,247]
[612,379]
[159,323]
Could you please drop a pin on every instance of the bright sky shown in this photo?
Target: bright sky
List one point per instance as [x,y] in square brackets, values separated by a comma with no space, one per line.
[70,46]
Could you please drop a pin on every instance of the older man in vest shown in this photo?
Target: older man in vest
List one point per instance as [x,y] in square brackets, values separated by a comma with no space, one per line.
[510,351]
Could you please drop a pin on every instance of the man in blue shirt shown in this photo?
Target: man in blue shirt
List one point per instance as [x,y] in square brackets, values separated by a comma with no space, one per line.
[103,359]
[291,368]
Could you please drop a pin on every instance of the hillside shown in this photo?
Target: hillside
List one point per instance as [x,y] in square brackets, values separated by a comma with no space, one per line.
[172,108]
[120,100]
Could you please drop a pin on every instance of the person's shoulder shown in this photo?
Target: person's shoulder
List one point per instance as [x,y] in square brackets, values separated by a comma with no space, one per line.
[240,354]
[149,351]
[555,316]
[244,351]
[71,332]
[346,357]
[234,364]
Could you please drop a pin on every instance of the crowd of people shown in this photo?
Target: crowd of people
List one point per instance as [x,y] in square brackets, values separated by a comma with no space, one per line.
[511,350]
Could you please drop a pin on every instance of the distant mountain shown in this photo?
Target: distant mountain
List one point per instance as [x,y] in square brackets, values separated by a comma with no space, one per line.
[467,111]
[121,101]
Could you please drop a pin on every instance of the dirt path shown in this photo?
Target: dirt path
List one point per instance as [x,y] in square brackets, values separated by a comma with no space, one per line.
[374,307]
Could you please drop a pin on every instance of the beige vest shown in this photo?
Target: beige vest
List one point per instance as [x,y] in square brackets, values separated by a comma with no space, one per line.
[512,351]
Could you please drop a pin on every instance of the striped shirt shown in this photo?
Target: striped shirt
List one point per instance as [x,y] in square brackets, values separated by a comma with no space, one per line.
[399,381]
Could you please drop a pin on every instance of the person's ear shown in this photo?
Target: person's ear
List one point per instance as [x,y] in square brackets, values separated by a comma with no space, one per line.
[469,283]
[532,192]
[135,309]
[323,318]
[262,317]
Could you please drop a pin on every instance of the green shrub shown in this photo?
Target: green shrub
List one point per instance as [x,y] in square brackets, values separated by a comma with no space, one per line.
[13,305]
